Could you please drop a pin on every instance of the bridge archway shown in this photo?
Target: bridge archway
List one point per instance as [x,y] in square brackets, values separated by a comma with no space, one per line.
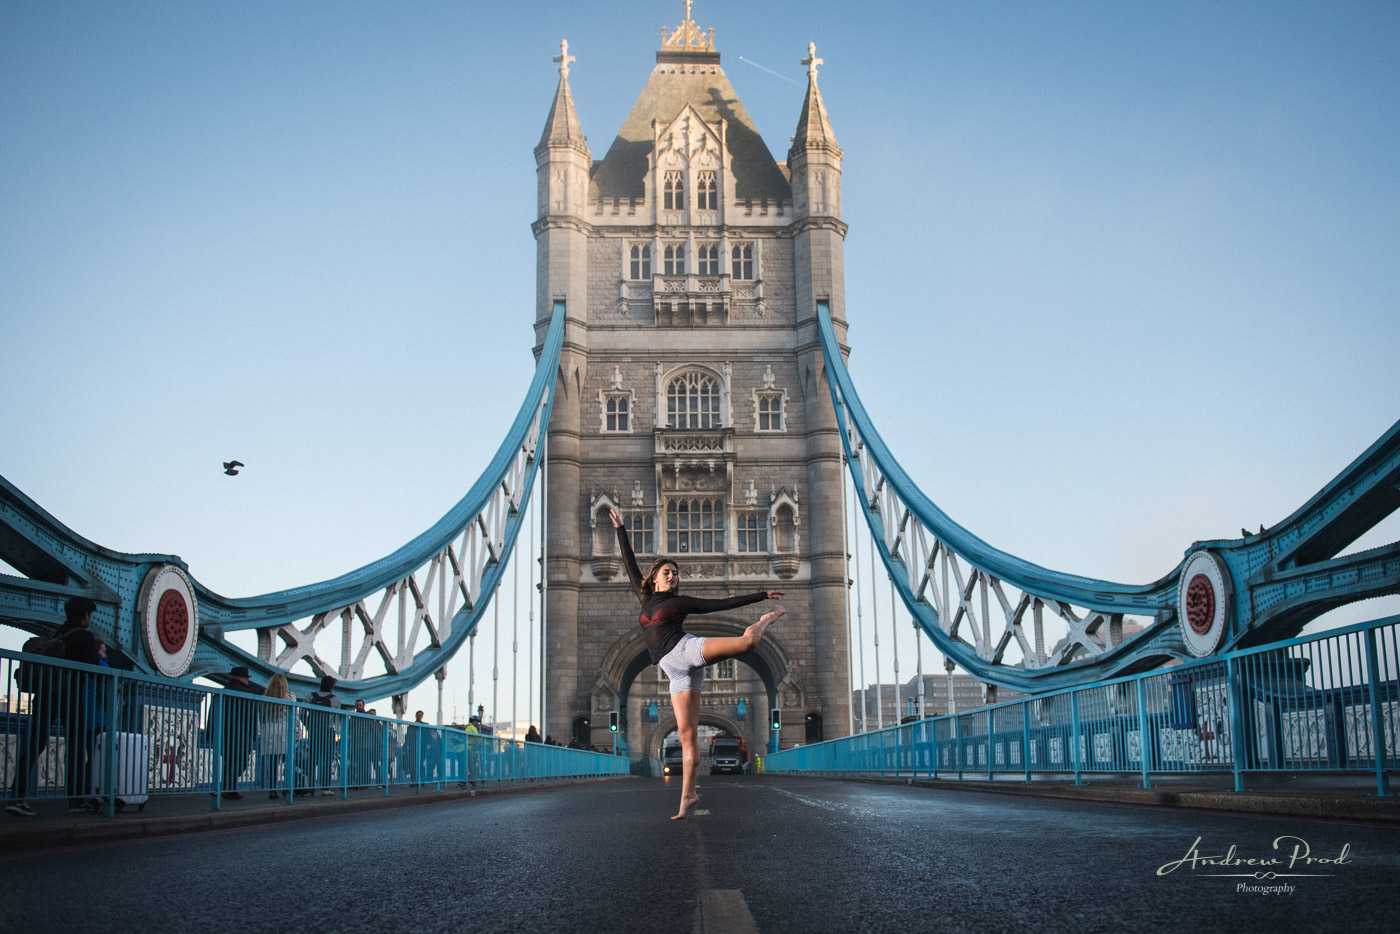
[627,659]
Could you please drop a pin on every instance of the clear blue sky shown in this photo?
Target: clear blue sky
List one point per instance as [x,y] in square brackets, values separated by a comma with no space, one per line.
[1119,276]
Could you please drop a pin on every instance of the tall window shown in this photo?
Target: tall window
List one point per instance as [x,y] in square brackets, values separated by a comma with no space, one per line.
[639,529]
[616,412]
[707,259]
[673,192]
[770,411]
[692,401]
[752,532]
[674,259]
[725,669]
[695,525]
[706,191]
[641,261]
[741,258]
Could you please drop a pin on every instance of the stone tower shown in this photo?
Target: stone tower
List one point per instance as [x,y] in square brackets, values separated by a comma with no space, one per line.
[692,398]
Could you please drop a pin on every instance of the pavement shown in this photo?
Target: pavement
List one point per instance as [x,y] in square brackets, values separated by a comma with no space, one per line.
[1335,797]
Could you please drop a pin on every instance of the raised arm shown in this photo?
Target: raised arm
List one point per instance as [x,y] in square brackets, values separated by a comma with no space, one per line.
[629,560]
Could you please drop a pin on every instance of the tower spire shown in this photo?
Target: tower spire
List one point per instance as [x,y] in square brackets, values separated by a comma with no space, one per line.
[814,126]
[562,126]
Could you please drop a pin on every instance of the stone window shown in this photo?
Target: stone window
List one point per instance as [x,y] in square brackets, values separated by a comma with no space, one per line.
[674,259]
[693,402]
[640,267]
[615,404]
[706,191]
[751,532]
[726,669]
[770,411]
[640,528]
[695,525]
[770,405]
[707,259]
[741,261]
[673,192]
[616,412]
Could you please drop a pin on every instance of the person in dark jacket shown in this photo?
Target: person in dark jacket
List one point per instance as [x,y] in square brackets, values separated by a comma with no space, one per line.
[240,728]
[59,695]
[321,733]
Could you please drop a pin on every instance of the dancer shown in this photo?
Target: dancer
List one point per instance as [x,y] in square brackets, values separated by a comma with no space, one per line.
[681,656]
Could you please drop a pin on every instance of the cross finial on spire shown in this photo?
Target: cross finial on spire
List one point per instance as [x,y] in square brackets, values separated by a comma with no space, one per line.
[811,61]
[563,58]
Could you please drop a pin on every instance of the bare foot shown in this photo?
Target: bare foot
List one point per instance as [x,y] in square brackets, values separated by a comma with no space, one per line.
[686,805]
[756,630]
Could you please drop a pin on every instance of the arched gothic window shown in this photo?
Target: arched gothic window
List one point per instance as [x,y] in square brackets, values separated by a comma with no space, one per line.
[694,525]
[706,191]
[674,259]
[693,401]
[673,192]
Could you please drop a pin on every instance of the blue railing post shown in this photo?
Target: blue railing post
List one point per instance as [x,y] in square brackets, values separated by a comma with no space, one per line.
[958,746]
[344,755]
[386,751]
[216,722]
[1026,738]
[109,747]
[1238,741]
[1074,737]
[289,763]
[1144,747]
[1378,745]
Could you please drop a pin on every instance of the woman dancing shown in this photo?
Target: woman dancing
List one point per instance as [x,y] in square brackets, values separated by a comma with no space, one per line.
[681,656]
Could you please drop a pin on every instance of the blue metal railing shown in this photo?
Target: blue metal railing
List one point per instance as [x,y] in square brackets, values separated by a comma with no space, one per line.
[140,735]
[1328,703]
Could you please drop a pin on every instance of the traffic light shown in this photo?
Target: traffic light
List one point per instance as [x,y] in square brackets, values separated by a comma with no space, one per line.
[612,721]
[776,718]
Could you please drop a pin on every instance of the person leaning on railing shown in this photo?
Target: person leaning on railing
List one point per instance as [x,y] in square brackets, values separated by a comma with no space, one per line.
[58,694]
[272,733]
[239,728]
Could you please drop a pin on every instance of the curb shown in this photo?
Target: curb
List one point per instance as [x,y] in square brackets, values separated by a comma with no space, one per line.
[1333,807]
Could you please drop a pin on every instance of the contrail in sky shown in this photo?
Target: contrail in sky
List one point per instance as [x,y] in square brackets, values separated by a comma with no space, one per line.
[775,74]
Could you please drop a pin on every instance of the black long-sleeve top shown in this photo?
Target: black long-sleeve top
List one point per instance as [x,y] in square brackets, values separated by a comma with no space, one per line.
[663,614]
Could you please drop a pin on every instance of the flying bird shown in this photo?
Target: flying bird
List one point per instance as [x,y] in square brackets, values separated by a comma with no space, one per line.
[231,467]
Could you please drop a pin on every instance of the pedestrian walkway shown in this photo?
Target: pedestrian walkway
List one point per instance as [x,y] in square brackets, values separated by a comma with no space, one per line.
[1337,797]
[54,826]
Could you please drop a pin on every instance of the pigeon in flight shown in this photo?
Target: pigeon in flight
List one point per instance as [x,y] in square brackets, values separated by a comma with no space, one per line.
[231,467]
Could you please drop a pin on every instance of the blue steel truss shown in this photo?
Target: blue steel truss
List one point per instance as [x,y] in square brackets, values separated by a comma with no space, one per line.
[987,610]
[432,591]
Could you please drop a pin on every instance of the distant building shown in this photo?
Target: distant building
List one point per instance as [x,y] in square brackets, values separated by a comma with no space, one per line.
[968,694]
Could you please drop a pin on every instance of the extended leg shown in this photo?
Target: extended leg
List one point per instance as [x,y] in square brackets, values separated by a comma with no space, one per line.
[718,648]
[686,704]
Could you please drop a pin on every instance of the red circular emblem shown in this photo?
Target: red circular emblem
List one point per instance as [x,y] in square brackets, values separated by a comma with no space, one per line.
[173,621]
[1200,604]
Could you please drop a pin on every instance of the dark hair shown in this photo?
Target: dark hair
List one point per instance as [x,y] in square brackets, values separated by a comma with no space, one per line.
[327,684]
[649,582]
[78,607]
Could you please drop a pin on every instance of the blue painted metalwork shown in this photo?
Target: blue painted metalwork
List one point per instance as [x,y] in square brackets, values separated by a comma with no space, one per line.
[184,735]
[1323,703]
[1256,589]
[463,556]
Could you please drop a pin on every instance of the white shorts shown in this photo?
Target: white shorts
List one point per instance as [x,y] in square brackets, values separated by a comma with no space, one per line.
[685,664]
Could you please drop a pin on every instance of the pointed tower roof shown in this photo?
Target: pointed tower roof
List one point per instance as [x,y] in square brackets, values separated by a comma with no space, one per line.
[561,127]
[687,72]
[814,126]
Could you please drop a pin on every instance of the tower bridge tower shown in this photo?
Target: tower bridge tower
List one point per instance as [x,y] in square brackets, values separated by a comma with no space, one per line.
[692,398]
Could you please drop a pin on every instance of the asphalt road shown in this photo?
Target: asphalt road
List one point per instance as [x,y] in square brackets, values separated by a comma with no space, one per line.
[768,854]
